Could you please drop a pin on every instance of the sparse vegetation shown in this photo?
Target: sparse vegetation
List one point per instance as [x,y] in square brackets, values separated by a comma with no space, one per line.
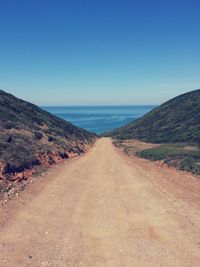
[175,125]
[177,120]
[174,155]
[27,131]
[181,156]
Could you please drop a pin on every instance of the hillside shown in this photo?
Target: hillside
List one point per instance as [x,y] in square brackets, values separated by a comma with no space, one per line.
[31,139]
[177,120]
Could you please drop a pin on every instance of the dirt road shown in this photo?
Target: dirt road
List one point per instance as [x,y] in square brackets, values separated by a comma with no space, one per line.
[105,210]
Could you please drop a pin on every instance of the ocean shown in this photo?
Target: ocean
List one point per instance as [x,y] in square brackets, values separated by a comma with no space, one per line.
[99,119]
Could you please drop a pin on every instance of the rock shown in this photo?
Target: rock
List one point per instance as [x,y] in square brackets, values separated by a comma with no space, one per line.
[10,139]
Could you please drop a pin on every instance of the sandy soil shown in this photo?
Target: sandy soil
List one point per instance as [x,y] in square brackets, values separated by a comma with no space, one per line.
[104,209]
[137,144]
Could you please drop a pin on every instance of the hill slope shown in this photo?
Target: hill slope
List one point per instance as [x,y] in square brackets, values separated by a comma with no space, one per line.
[177,120]
[31,137]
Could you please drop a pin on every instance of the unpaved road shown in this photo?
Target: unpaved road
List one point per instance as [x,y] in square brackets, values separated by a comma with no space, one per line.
[103,209]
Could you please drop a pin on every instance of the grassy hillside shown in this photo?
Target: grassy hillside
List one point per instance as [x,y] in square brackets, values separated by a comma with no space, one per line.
[177,120]
[30,136]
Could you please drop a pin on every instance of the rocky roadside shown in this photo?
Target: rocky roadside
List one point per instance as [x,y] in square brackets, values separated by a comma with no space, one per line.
[14,181]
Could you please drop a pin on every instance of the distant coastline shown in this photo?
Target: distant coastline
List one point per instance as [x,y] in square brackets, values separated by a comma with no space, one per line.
[99,119]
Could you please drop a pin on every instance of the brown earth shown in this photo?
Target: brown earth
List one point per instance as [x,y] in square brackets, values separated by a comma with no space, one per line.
[104,209]
[14,182]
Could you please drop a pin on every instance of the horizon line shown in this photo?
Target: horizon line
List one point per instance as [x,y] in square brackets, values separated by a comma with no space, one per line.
[113,105]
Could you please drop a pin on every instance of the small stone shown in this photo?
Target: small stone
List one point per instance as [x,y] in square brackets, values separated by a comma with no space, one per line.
[30,256]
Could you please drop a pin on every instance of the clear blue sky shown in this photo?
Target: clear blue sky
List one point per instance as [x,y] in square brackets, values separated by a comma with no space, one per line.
[99,51]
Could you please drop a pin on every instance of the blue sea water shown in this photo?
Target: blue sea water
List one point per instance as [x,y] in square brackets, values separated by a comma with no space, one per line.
[99,119]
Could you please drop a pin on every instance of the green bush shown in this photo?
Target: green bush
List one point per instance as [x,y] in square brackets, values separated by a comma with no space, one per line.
[38,135]
[9,125]
[188,160]
[160,152]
